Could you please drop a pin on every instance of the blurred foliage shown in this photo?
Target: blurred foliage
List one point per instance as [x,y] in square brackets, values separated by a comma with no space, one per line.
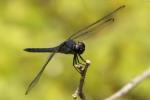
[117,56]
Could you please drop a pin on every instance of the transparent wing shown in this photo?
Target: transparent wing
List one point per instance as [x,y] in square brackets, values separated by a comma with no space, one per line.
[36,79]
[99,22]
[100,26]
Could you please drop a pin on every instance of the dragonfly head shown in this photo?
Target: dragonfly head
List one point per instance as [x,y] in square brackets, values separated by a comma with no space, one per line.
[79,47]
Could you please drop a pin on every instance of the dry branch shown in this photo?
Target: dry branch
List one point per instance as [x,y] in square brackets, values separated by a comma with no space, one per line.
[129,86]
[79,90]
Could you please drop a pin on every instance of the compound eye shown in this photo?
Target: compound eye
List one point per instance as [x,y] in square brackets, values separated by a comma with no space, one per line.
[80,47]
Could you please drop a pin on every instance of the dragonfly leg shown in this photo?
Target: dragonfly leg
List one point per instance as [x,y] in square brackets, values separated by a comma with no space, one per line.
[80,65]
[82,58]
[75,63]
[79,61]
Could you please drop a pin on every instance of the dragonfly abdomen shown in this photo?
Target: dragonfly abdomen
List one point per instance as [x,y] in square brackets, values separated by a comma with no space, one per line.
[40,49]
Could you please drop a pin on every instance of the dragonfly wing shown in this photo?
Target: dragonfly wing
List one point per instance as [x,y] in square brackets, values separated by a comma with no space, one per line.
[36,79]
[95,24]
[92,29]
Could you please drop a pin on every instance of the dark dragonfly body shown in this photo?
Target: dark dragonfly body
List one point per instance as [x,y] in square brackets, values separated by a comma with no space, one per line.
[69,46]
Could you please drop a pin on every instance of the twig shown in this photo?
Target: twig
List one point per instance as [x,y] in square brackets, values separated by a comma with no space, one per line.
[79,90]
[132,84]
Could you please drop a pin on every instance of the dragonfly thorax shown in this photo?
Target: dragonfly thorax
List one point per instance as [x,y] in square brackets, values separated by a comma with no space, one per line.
[79,47]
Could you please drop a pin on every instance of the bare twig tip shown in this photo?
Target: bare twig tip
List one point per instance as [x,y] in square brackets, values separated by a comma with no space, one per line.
[88,62]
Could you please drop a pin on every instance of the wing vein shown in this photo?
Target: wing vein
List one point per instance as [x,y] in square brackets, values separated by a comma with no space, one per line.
[91,26]
[36,79]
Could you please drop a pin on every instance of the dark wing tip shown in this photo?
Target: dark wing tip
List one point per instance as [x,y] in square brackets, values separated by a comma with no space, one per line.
[123,6]
[113,19]
[120,7]
[26,93]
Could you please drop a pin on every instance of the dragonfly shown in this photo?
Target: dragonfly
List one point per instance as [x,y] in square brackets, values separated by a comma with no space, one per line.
[70,46]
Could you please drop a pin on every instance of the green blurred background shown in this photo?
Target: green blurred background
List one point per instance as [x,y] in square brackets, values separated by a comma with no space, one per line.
[120,53]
